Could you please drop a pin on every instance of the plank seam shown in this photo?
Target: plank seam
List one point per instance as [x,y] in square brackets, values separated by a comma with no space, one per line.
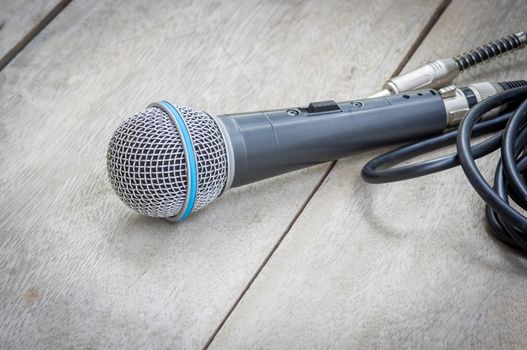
[17,48]
[411,51]
[422,35]
[270,254]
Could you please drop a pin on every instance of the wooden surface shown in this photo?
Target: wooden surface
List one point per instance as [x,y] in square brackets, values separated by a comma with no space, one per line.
[80,270]
[404,265]
[20,20]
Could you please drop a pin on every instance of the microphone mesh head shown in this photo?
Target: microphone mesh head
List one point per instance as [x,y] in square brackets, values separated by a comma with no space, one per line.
[147,166]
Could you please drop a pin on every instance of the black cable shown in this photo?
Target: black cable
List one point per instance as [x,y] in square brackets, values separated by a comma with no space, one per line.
[506,223]
[371,174]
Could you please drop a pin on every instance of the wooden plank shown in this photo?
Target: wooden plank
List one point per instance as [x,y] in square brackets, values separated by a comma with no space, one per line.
[20,21]
[79,269]
[403,265]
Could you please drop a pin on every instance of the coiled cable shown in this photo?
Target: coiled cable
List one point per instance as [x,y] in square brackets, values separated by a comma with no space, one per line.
[506,223]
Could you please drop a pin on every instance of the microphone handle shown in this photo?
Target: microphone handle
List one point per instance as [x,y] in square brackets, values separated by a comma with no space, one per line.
[274,142]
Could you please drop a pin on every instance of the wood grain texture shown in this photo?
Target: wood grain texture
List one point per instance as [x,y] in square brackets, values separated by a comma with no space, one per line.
[20,20]
[77,268]
[403,265]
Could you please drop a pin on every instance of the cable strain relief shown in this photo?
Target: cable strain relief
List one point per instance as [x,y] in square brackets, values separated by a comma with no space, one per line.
[490,50]
[507,85]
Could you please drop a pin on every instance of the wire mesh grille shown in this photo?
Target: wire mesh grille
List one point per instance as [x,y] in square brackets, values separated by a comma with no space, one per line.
[147,167]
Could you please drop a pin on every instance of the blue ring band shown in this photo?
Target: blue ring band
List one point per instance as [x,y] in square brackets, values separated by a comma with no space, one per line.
[192,169]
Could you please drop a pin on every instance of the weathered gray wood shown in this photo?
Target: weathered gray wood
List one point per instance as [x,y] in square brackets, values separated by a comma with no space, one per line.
[77,268]
[20,20]
[403,265]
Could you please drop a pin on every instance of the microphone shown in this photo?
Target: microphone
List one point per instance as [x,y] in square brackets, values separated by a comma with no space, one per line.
[169,161]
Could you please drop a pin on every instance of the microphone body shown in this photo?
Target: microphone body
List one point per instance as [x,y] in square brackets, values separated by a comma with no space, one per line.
[169,161]
[274,142]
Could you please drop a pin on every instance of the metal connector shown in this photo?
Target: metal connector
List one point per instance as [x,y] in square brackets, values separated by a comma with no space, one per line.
[430,76]
[522,36]
[381,93]
[459,101]
[434,75]
[456,104]
[441,73]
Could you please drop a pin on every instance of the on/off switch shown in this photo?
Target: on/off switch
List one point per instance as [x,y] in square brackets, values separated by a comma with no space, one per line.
[323,106]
